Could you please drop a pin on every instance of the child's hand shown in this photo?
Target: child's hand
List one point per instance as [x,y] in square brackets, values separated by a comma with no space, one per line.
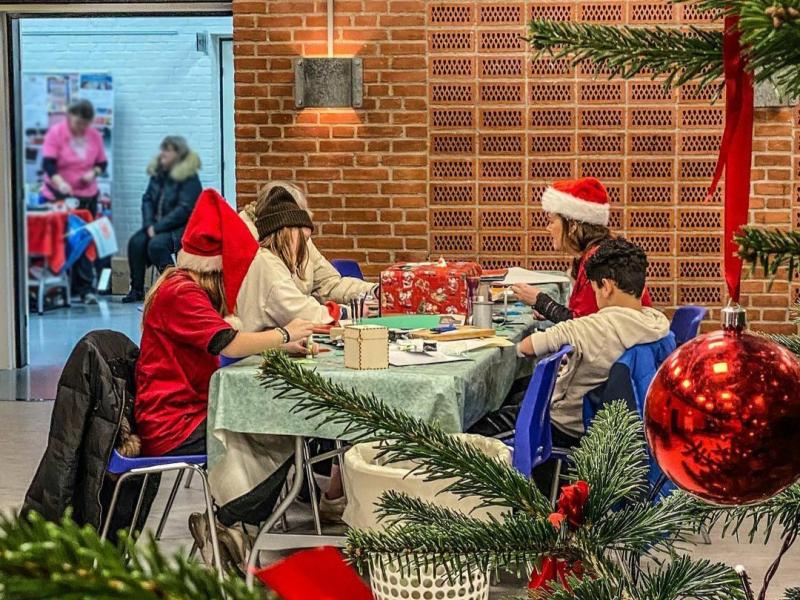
[299,348]
[527,293]
[299,329]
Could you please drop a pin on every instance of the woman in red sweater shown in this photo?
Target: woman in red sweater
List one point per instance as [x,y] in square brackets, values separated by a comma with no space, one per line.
[184,330]
[578,211]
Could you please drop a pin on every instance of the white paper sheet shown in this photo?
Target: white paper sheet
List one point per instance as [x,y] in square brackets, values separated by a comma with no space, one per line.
[399,358]
[520,275]
[461,346]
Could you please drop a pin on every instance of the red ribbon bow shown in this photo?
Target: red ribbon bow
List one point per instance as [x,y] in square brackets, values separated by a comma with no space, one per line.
[554,569]
[316,574]
[570,505]
[735,149]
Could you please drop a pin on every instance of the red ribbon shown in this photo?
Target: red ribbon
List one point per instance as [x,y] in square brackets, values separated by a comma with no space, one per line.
[735,150]
[317,574]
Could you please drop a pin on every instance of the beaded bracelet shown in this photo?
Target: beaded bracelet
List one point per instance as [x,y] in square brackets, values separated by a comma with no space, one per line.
[284,333]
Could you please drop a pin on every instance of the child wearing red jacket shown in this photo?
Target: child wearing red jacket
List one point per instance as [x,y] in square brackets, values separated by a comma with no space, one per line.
[184,329]
[578,211]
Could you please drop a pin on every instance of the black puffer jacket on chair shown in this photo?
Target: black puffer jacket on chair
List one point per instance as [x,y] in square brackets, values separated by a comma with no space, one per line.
[95,391]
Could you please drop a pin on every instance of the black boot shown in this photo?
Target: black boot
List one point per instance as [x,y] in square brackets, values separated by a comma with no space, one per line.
[133,296]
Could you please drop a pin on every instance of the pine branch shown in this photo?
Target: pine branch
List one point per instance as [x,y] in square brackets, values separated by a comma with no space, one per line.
[612,460]
[770,35]
[782,510]
[586,589]
[792,594]
[401,437]
[770,249]
[399,508]
[637,527]
[791,342]
[467,545]
[684,578]
[40,560]
[628,51]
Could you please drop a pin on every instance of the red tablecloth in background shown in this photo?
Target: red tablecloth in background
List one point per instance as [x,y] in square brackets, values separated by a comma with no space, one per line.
[46,231]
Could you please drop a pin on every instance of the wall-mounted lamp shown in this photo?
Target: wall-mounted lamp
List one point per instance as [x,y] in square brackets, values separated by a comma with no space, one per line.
[328,82]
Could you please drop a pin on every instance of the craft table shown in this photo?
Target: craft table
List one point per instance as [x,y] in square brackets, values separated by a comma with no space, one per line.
[454,395]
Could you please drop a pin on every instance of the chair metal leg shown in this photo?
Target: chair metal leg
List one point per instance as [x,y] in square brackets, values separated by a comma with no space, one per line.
[556,481]
[266,527]
[312,490]
[212,522]
[40,298]
[112,506]
[139,502]
[340,447]
[189,480]
[168,505]
[284,492]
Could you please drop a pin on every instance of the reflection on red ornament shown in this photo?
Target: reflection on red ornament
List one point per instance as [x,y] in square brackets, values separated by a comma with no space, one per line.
[722,417]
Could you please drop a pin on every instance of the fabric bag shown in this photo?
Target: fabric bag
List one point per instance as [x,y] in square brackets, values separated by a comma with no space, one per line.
[366,477]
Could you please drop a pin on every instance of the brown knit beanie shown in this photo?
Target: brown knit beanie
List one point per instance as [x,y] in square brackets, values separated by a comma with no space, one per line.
[280,210]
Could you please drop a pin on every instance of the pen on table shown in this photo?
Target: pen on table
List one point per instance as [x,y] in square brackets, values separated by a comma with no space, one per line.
[361,309]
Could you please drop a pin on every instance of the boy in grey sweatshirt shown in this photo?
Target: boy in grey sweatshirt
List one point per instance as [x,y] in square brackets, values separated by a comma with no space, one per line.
[617,273]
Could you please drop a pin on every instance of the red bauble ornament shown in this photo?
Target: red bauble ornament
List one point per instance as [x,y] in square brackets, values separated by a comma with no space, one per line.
[722,415]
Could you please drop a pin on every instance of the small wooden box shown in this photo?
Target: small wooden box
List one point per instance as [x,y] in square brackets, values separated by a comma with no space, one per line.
[366,347]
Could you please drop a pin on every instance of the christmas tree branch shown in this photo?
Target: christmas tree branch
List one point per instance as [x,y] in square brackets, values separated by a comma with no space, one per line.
[684,578]
[771,249]
[612,460]
[629,51]
[782,510]
[400,508]
[40,560]
[401,437]
[792,594]
[466,545]
[634,528]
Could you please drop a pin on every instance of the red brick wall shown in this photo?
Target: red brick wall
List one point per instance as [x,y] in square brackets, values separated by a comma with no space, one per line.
[461,130]
[365,171]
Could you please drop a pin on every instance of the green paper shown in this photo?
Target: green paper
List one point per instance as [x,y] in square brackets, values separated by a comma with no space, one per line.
[406,321]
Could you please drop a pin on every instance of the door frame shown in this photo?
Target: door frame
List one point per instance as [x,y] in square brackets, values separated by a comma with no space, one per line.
[13,287]
[220,41]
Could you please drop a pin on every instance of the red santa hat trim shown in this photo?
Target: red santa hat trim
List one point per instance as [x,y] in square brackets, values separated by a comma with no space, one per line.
[584,199]
[216,239]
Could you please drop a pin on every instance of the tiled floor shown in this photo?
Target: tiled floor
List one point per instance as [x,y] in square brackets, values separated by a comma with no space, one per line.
[23,435]
[51,339]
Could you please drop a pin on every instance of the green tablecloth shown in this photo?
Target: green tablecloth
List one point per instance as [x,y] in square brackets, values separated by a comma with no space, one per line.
[455,395]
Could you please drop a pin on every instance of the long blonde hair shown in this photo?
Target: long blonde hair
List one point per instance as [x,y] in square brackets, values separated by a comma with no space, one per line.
[280,244]
[211,283]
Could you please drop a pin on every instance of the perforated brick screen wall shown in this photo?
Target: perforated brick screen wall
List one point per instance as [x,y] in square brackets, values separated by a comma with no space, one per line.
[461,130]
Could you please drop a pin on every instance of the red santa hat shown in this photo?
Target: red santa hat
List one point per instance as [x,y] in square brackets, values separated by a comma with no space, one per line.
[583,199]
[216,239]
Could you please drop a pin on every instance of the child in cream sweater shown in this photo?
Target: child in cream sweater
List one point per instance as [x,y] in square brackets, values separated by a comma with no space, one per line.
[617,274]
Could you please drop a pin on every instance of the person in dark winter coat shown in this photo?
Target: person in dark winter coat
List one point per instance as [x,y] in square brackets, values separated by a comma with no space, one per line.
[166,205]
[93,401]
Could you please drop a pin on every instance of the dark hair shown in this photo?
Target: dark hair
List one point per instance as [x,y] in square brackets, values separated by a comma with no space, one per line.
[620,261]
[82,109]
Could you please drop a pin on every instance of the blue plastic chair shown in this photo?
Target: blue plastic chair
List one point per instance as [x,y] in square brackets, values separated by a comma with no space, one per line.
[532,439]
[686,322]
[347,268]
[225,361]
[148,465]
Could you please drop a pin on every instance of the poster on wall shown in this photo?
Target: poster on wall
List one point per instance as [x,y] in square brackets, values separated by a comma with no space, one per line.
[45,98]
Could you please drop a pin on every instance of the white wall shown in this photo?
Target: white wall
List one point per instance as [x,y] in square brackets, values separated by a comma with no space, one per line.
[163,86]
